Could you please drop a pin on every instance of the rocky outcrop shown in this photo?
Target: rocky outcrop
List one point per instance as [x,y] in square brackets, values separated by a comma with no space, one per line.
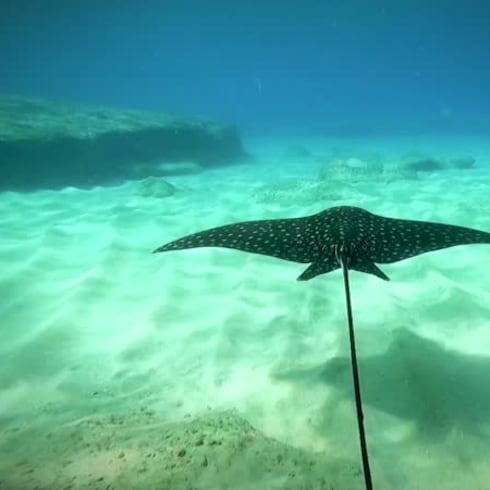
[48,144]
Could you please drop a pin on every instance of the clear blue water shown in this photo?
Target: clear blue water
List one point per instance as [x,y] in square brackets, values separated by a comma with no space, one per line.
[271,67]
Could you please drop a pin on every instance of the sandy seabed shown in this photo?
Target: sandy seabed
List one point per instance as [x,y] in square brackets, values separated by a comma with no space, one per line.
[216,369]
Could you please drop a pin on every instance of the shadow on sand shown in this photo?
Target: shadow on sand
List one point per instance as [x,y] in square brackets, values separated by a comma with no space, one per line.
[417,380]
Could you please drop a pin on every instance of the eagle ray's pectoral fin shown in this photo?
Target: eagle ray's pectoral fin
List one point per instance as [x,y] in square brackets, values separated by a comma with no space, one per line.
[368,267]
[320,267]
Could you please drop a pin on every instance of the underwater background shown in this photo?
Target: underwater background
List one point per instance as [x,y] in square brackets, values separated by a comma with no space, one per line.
[125,125]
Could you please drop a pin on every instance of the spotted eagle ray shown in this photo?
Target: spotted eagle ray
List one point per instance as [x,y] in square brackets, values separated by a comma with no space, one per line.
[361,238]
[344,237]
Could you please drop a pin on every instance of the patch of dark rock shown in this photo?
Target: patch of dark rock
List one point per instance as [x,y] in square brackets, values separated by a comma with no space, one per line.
[424,165]
[463,162]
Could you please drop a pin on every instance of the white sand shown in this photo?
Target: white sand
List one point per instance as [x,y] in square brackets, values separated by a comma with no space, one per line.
[92,323]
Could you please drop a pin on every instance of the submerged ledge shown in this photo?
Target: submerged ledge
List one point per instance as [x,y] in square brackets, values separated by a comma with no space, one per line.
[52,144]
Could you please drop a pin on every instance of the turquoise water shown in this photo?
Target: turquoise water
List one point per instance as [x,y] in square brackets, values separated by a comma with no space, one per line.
[213,368]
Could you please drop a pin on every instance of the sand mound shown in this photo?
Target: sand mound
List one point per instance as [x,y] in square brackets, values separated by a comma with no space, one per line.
[141,450]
